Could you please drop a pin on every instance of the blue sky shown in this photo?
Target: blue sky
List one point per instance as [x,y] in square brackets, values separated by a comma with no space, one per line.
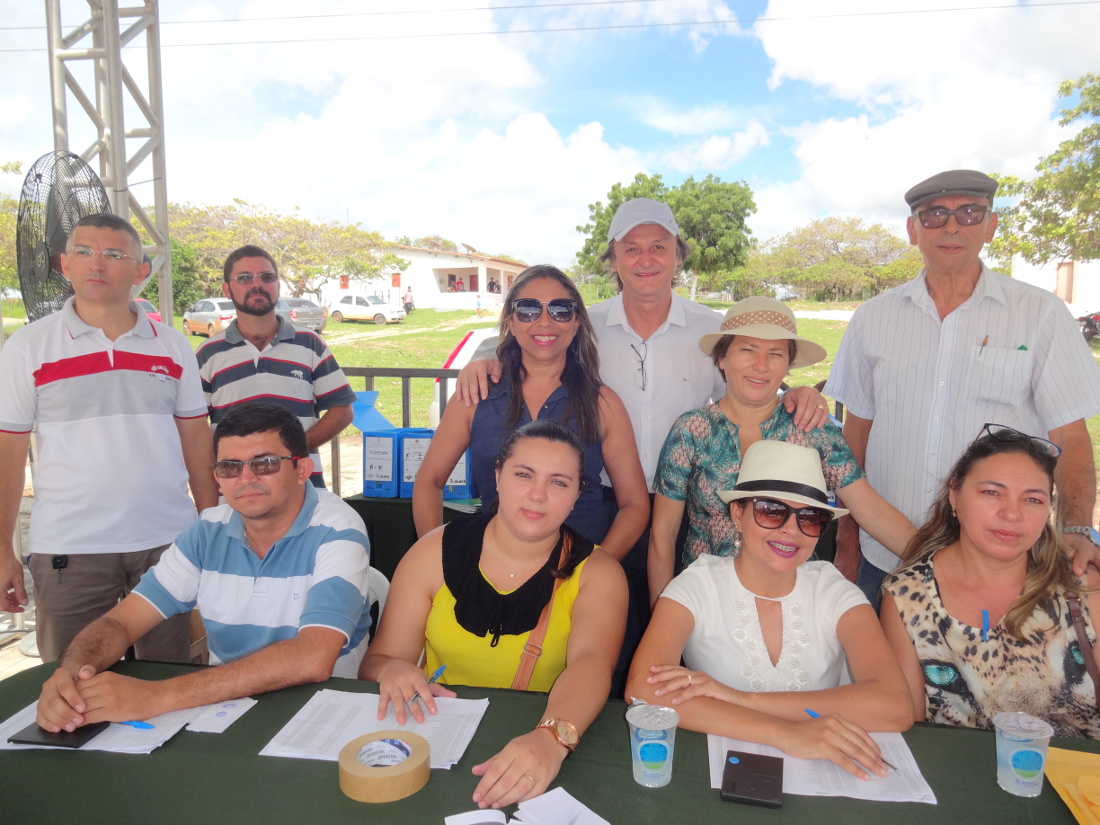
[446,118]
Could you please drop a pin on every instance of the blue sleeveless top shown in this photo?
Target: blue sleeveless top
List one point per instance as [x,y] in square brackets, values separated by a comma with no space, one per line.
[488,432]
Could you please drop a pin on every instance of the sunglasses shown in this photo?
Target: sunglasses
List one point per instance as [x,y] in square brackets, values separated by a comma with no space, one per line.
[245,278]
[969,215]
[264,466]
[771,515]
[1008,435]
[529,309]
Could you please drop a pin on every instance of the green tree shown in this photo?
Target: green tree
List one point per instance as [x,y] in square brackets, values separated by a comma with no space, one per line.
[9,212]
[188,283]
[436,242]
[1057,216]
[711,214]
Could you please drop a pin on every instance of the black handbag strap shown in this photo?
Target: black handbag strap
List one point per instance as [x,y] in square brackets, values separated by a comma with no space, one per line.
[1083,642]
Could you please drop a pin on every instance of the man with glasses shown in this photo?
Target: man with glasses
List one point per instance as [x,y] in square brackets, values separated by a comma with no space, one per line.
[923,367]
[121,432]
[279,573]
[262,356]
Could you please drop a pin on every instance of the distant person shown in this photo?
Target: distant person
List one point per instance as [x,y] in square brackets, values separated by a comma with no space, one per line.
[478,304]
[551,371]
[461,286]
[923,367]
[766,634]
[261,356]
[409,307]
[981,616]
[279,573]
[121,432]
[481,592]
[754,351]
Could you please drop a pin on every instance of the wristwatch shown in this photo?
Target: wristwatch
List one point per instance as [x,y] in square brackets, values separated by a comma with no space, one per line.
[563,730]
[1088,532]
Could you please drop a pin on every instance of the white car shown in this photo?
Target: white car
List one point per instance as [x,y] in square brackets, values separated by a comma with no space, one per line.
[365,308]
[475,344]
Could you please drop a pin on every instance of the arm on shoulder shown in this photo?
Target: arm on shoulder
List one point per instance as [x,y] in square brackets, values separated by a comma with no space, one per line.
[472,384]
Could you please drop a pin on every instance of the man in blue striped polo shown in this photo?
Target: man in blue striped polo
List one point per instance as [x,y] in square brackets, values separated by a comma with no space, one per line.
[279,573]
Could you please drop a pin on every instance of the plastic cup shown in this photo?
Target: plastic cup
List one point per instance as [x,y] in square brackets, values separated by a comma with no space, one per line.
[1021,752]
[652,737]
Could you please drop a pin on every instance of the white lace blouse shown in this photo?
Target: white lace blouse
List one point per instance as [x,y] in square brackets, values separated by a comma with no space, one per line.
[727,643]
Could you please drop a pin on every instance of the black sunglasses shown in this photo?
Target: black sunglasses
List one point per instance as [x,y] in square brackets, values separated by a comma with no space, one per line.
[771,515]
[245,278]
[1007,435]
[264,466]
[529,309]
[970,214]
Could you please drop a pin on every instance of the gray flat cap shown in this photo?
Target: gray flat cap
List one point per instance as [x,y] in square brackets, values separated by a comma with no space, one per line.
[955,182]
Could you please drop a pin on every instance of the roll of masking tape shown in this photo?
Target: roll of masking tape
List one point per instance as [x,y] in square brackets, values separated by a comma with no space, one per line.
[384,766]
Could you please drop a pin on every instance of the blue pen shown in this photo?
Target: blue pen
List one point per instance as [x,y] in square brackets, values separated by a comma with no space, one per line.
[985,625]
[431,681]
[815,715]
[139,725]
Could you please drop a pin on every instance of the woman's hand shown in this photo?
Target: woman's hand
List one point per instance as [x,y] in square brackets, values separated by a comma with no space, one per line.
[834,738]
[524,769]
[399,683]
[682,684]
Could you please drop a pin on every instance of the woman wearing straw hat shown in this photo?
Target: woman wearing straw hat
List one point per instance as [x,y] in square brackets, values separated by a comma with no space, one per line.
[757,345]
[766,634]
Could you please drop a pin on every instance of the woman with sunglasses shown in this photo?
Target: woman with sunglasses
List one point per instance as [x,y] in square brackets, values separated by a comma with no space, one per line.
[475,593]
[981,616]
[765,635]
[756,347]
[550,369]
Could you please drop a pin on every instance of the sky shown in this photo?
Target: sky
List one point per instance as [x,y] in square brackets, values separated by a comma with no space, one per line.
[495,123]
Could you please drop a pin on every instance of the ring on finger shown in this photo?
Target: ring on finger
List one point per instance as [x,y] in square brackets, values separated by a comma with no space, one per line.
[530,777]
[689,678]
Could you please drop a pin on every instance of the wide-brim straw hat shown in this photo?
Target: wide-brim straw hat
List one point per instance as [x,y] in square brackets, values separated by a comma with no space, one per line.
[770,320]
[779,469]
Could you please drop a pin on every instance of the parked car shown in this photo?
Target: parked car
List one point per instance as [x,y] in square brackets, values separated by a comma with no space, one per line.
[303,312]
[368,308]
[148,308]
[1090,325]
[475,344]
[208,316]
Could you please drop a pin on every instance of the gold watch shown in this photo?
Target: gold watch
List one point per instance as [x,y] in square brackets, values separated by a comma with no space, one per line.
[563,730]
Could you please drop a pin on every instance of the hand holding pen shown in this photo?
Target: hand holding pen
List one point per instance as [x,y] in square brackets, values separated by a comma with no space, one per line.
[815,715]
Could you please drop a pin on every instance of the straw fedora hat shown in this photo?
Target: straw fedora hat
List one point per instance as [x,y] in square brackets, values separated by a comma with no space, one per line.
[779,469]
[770,320]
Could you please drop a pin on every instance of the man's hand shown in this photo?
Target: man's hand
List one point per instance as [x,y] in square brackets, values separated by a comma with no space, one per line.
[472,384]
[13,592]
[1081,552]
[61,704]
[109,697]
[808,406]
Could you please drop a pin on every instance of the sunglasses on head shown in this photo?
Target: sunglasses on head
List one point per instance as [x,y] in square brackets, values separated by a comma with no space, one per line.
[771,515]
[529,309]
[1008,435]
[264,466]
[970,214]
[245,278]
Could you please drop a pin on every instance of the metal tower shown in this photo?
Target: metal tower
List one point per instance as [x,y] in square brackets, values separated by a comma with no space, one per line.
[110,94]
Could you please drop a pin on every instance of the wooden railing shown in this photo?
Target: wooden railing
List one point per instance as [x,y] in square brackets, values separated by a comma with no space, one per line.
[368,374]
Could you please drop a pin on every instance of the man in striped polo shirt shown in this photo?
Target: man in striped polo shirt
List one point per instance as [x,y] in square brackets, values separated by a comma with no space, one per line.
[279,573]
[262,356]
[121,432]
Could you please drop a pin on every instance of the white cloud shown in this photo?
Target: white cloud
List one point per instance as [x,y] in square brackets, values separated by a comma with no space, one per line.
[716,152]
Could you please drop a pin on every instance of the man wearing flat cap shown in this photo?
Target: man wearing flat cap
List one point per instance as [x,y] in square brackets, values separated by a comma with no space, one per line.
[925,365]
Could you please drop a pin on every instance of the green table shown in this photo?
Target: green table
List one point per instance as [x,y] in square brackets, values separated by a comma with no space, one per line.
[201,778]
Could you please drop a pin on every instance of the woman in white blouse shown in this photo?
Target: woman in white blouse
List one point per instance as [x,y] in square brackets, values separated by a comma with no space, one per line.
[768,637]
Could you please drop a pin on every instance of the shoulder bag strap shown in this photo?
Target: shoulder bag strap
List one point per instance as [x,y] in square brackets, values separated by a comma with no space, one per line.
[532,649]
[1083,642]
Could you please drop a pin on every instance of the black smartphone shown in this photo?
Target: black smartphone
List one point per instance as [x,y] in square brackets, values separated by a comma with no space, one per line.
[753,779]
[35,735]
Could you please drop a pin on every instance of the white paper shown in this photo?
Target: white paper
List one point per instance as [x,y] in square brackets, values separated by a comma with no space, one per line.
[820,777]
[117,738]
[217,717]
[554,807]
[332,718]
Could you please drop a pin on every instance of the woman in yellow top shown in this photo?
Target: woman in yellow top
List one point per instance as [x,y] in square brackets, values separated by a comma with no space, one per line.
[469,594]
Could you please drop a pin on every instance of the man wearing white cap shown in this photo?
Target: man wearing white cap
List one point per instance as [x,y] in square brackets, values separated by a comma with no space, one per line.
[923,367]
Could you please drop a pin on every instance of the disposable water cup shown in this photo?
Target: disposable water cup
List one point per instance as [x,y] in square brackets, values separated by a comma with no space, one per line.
[652,737]
[1021,752]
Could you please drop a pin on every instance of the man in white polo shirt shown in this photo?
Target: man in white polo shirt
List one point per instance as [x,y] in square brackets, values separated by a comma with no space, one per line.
[121,432]
[279,573]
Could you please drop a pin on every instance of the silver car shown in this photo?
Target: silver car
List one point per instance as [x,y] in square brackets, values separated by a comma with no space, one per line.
[208,316]
[365,308]
[302,312]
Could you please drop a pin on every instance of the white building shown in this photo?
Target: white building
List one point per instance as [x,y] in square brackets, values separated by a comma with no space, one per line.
[1075,282]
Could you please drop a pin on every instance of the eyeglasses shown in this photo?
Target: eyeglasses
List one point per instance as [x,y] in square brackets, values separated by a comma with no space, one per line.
[969,214]
[529,309]
[640,351]
[264,466]
[1008,435]
[113,255]
[245,278]
[771,515]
